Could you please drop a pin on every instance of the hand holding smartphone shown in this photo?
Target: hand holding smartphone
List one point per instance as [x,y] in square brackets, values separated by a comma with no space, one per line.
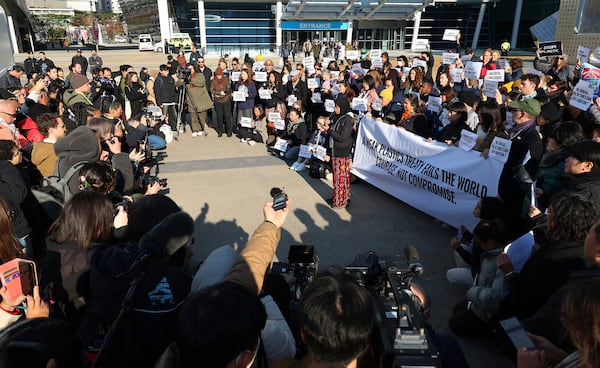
[19,276]
[517,334]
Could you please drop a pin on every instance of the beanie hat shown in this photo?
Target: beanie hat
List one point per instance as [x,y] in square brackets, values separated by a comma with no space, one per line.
[219,71]
[78,80]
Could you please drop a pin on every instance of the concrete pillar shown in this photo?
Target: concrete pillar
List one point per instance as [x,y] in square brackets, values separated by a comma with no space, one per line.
[278,30]
[417,24]
[478,26]
[13,35]
[202,25]
[515,30]
[349,32]
[164,20]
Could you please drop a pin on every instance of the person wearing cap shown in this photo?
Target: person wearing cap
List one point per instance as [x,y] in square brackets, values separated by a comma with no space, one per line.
[526,142]
[558,69]
[79,91]
[81,60]
[297,87]
[340,130]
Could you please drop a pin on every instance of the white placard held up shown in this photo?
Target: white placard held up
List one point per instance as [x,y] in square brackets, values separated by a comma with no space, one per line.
[246,122]
[375,53]
[583,53]
[329,105]
[258,66]
[274,116]
[305,151]
[419,62]
[457,75]
[449,58]
[450,34]
[473,69]
[320,153]
[359,104]
[239,96]
[335,74]
[489,88]
[279,124]
[583,95]
[264,94]
[312,83]
[520,250]
[420,44]
[260,76]
[495,75]
[309,64]
[465,58]
[352,54]
[235,76]
[292,99]
[468,140]
[406,70]
[281,145]
[376,62]
[499,149]
[434,104]
[316,97]
[326,62]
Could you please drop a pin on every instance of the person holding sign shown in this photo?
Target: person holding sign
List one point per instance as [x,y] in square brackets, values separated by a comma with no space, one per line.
[341,134]
[276,89]
[297,87]
[257,131]
[220,89]
[295,134]
[488,63]
[558,69]
[368,91]
[247,86]
[457,114]
[413,119]
[414,81]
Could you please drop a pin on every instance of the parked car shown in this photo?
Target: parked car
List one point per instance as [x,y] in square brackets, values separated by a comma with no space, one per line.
[120,39]
[145,43]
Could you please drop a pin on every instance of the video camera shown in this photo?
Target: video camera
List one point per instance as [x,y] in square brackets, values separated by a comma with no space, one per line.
[184,74]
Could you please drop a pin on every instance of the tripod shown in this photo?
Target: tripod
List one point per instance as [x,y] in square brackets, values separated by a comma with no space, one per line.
[180,106]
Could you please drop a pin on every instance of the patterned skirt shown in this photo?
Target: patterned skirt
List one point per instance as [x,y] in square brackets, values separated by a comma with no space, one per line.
[341,181]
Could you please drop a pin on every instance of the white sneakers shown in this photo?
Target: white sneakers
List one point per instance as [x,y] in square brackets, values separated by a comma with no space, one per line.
[198,134]
[251,142]
[298,166]
[194,134]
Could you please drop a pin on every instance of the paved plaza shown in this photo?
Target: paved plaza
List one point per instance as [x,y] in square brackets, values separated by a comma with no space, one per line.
[223,184]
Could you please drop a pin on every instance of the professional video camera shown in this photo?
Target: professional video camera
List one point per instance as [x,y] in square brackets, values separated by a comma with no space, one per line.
[400,337]
[184,74]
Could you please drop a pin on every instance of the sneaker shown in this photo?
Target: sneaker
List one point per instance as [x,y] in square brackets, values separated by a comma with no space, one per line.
[293,167]
[181,130]
[300,167]
[194,134]
[200,134]
[329,176]
[243,140]
[251,142]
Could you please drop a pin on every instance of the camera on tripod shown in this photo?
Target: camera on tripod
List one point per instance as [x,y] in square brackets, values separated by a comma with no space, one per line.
[302,265]
[184,74]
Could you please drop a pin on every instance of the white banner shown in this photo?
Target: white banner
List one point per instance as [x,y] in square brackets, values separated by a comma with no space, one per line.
[443,181]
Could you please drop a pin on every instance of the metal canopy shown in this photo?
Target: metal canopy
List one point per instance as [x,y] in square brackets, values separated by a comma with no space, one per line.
[345,10]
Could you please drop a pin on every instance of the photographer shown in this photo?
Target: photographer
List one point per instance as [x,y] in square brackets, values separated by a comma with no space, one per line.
[222,323]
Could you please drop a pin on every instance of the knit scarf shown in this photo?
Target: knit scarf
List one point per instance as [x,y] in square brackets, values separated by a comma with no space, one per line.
[219,84]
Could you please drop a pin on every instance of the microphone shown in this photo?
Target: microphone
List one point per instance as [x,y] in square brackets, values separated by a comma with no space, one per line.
[166,237]
[412,258]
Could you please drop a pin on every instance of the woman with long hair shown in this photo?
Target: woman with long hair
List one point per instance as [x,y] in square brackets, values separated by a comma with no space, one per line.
[199,103]
[248,88]
[220,89]
[340,130]
[490,125]
[413,119]
[257,132]
[10,247]
[135,92]
[413,81]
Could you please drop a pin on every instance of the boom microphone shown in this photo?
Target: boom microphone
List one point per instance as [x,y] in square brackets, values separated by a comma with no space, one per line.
[166,237]
[412,258]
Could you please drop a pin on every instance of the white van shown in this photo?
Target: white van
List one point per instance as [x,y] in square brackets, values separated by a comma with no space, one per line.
[145,43]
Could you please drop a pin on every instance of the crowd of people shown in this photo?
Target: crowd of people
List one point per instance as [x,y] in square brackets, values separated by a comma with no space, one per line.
[94,136]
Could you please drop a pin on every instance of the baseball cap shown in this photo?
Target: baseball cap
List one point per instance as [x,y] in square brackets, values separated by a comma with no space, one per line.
[294,73]
[531,106]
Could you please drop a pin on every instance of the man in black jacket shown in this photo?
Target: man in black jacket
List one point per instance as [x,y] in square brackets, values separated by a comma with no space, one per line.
[81,60]
[526,142]
[165,91]
[297,87]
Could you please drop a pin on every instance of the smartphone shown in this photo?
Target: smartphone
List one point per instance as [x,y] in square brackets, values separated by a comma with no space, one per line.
[517,334]
[19,276]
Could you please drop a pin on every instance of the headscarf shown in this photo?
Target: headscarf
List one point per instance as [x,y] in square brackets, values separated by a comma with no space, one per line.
[343,104]
[219,84]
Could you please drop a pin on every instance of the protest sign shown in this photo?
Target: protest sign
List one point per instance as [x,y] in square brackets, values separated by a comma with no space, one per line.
[489,88]
[583,53]
[312,83]
[246,122]
[495,75]
[359,104]
[499,149]
[279,124]
[449,58]
[261,76]
[583,95]
[450,34]
[468,140]
[305,151]
[292,99]
[443,181]
[473,69]
[434,104]
[420,44]
[352,54]
[235,76]
[329,105]
[376,62]
[274,116]
[264,94]
[457,75]
[552,48]
[375,53]
[281,144]
[419,62]
[239,96]
[316,97]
